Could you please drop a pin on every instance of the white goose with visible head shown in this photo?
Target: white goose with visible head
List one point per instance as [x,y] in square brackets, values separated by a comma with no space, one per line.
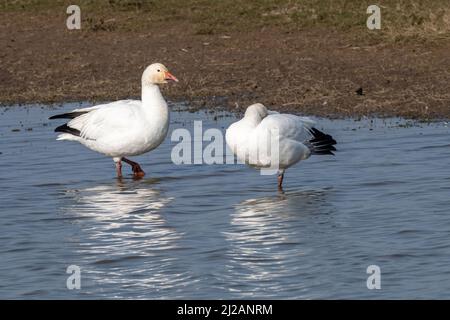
[123,128]
[250,139]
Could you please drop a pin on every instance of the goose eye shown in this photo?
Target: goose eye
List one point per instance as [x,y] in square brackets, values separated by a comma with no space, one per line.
[159,70]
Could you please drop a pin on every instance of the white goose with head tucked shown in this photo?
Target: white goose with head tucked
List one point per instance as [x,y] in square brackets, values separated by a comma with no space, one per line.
[123,128]
[250,139]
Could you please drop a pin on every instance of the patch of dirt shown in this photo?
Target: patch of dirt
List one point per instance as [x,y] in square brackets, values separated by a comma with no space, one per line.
[314,71]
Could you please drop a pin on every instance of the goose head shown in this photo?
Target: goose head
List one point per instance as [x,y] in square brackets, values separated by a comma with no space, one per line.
[256,112]
[157,73]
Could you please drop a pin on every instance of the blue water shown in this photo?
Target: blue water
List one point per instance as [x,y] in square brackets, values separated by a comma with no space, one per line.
[224,231]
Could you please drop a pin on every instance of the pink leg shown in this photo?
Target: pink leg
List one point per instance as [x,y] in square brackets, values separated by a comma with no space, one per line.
[280,181]
[137,170]
[119,169]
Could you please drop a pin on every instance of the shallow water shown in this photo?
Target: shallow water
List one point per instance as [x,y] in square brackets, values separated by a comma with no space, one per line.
[223,231]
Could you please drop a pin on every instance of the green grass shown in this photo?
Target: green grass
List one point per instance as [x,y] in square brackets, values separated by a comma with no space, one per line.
[401,19]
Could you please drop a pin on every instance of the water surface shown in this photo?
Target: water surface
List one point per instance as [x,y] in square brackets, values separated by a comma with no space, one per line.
[224,231]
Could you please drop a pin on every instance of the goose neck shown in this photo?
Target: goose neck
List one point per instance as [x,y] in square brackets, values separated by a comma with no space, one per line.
[151,94]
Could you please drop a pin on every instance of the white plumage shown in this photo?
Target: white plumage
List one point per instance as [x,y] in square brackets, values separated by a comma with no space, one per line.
[126,127]
[251,139]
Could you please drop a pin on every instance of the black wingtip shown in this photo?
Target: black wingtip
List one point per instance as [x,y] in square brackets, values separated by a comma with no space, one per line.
[321,143]
[66,129]
[69,115]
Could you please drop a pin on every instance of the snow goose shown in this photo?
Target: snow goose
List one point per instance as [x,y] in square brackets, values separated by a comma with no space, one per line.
[123,128]
[296,137]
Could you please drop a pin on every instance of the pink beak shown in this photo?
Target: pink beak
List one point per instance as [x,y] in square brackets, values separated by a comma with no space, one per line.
[169,76]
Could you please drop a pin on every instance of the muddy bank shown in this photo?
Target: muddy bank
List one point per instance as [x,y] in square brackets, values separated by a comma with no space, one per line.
[311,71]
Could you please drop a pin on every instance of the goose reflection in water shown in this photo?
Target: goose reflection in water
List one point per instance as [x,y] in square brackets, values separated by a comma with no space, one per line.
[125,240]
[267,240]
[125,199]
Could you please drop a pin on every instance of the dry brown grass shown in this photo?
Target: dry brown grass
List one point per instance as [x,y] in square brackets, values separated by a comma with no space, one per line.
[306,56]
[402,20]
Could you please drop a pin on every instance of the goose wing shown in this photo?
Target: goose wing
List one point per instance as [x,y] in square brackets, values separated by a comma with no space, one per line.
[101,120]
